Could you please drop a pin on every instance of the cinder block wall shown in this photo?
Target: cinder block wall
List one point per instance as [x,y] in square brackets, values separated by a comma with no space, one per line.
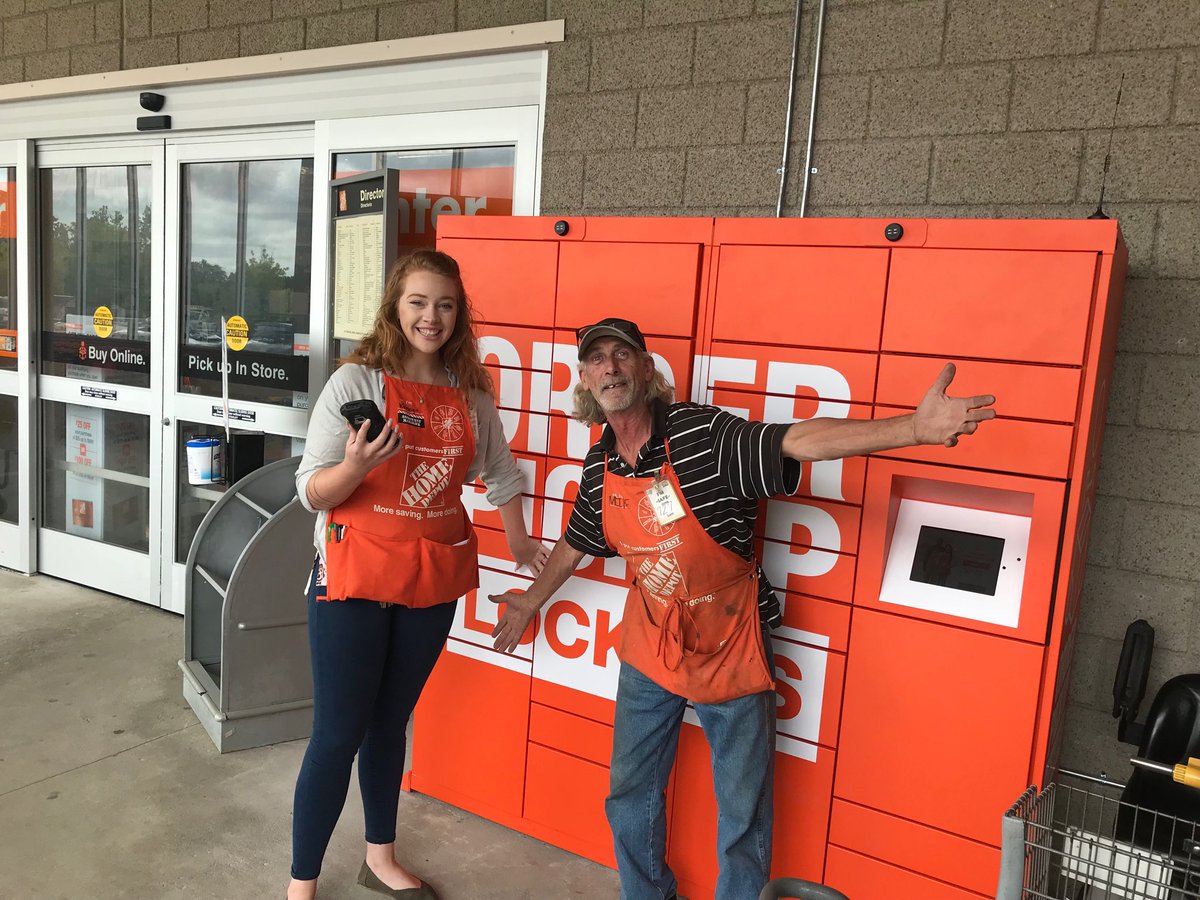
[925,108]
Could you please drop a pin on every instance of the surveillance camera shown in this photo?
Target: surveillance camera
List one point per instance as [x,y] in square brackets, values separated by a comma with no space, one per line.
[151,101]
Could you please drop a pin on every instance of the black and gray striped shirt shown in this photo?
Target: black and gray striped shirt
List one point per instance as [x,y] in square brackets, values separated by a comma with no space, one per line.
[724,464]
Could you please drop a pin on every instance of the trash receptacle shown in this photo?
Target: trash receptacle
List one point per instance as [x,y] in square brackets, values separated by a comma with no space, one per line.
[246,669]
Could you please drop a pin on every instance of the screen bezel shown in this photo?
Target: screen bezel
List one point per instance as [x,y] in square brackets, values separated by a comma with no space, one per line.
[1002,608]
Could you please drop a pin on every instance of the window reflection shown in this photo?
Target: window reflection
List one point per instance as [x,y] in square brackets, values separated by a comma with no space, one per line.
[469,181]
[95,287]
[194,501]
[247,252]
[8,459]
[96,474]
[8,269]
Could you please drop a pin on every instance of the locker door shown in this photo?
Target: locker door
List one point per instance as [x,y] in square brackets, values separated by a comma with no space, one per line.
[801,296]
[934,714]
[508,282]
[1020,305]
[653,284]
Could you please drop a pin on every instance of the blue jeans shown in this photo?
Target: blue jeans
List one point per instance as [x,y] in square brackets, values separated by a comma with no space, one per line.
[369,663]
[741,737]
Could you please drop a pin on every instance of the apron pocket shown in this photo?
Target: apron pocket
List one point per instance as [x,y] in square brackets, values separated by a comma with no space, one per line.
[445,571]
[415,572]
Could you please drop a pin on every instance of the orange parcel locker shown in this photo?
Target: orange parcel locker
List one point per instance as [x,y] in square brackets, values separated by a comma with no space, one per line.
[803,790]
[1011,445]
[574,684]
[476,614]
[520,390]
[804,617]
[808,522]
[905,844]
[809,681]
[515,346]
[568,438]
[516,388]
[807,570]
[1036,392]
[575,664]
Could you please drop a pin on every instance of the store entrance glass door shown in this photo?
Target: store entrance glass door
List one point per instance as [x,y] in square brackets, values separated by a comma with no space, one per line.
[100,403]
[143,250]
[239,229]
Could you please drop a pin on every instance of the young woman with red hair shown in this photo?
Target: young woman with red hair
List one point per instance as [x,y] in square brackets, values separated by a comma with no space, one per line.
[395,550]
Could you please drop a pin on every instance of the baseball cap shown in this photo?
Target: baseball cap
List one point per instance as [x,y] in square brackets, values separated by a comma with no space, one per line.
[622,329]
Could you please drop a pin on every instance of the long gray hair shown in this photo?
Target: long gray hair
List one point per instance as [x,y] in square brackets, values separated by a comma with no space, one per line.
[589,412]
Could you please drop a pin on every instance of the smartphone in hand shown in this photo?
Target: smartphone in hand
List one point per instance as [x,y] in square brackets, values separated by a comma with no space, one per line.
[358,411]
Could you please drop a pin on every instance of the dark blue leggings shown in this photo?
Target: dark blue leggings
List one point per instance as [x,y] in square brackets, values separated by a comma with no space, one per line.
[369,662]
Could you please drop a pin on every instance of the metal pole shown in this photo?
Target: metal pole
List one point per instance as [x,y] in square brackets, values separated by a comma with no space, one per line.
[787,125]
[812,112]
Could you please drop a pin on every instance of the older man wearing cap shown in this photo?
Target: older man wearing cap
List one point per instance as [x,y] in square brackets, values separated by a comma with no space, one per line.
[673,489]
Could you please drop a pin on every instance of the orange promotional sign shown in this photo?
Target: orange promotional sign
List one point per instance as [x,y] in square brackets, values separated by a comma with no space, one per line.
[8,209]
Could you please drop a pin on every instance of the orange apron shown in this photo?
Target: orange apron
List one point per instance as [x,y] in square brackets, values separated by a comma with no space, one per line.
[403,535]
[691,622]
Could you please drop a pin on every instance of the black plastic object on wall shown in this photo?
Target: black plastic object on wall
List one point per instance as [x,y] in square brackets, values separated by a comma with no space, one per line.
[246,450]
[1129,688]
[1171,736]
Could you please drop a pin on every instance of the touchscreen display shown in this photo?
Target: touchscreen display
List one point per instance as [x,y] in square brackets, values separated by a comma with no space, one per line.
[957,559]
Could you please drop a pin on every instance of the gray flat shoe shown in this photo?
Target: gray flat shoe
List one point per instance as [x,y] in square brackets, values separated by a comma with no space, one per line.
[370,880]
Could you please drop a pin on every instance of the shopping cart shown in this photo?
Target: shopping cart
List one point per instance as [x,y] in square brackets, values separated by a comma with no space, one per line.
[1071,843]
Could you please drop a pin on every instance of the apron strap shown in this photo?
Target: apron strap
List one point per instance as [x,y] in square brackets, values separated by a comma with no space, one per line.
[671,635]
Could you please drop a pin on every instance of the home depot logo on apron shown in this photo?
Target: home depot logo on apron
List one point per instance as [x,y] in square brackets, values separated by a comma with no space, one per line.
[691,620]
[403,535]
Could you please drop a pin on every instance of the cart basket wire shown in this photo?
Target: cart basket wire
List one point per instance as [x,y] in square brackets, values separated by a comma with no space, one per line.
[1069,843]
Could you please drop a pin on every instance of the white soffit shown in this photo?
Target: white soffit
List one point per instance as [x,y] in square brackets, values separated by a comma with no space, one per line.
[491,67]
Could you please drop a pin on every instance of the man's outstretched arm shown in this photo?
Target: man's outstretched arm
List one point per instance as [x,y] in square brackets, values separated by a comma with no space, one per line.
[520,607]
[939,419]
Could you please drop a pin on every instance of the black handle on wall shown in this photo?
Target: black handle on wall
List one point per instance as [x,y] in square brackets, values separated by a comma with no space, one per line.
[1133,670]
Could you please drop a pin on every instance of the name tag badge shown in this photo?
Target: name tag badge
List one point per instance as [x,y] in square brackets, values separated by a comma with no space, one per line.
[664,501]
[410,419]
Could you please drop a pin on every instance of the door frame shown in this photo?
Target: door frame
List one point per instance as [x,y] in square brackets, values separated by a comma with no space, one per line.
[18,540]
[520,126]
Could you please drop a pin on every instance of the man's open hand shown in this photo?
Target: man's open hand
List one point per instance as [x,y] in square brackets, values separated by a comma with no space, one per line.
[940,419]
[517,610]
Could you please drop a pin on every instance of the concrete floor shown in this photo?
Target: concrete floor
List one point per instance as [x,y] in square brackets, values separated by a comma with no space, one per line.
[109,787]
